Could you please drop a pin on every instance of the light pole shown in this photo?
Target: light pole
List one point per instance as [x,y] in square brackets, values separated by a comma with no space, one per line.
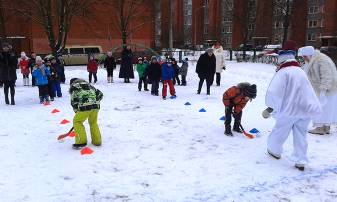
[195,25]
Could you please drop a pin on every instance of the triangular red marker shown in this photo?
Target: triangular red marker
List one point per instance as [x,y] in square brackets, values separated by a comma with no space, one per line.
[55,111]
[72,134]
[86,150]
[46,103]
[64,121]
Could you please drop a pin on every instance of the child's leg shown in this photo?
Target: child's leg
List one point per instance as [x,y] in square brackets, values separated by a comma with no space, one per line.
[79,118]
[95,77]
[45,93]
[94,129]
[172,90]
[58,88]
[164,88]
[140,84]
[145,83]
[90,77]
[300,141]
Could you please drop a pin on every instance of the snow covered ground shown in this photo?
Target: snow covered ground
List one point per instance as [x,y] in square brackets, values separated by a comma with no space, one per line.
[155,150]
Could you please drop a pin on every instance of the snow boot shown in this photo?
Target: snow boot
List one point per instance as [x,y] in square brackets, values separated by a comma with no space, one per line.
[318,131]
[277,157]
[79,146]
[327,129]
[228,131]
[299,167]
[237,128]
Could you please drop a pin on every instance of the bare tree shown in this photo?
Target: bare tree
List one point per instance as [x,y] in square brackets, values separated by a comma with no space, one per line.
[55,16]
[3,20]
[282,14]
[130,16]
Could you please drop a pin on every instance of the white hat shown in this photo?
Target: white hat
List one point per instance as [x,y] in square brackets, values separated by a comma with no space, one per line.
[38,58]
[306,51]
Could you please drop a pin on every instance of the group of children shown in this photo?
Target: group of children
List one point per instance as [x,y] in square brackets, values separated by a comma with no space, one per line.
[46,74]
[166,71]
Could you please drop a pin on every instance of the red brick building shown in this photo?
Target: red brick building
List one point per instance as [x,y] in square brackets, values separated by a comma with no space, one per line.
[195,22]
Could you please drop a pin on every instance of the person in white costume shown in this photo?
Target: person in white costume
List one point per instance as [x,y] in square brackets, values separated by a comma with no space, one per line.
[219,54]
[322,74]
[293,102]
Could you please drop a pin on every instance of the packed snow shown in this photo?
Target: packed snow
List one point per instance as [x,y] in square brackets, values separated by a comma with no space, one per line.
[156,150]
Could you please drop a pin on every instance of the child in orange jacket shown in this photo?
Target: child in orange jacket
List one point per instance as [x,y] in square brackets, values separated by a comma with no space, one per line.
[235,99]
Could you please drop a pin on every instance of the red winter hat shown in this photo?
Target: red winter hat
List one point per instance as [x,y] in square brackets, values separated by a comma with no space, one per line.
[290,45]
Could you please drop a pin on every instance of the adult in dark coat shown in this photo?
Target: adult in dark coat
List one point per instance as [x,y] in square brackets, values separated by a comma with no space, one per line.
[126,70]
[110,65]
[154,74]
[206,69]
[8,64]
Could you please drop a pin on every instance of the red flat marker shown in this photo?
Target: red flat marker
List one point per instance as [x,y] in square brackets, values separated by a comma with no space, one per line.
[55,111]
[64,121]
[46,104]
[86,150]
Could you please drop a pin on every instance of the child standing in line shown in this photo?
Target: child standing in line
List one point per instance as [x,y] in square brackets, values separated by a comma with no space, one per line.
[23,64]
[176,72]
[154,74]
[41,73]
[92,68]
[167,74]
[141,69]
[183,71]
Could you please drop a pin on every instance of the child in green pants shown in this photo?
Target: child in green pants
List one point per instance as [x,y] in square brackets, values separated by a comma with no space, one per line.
[85,100]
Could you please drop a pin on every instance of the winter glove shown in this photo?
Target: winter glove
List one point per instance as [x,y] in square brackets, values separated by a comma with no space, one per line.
[323,98]
[266,112]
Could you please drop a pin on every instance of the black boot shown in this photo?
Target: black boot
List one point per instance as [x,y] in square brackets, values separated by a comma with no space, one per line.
[79,146]
[41,100]
[12,95]
[237,128]
[6,100]
[228,131]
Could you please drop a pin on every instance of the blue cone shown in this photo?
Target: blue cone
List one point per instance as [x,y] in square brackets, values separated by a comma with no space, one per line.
[202,110]
[222,118]
[254,130]
[187,103]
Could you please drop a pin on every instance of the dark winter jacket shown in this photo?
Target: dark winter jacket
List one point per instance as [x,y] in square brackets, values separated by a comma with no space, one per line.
[206,66]
[59,70]
[53,74]
[31,64]
[110,63]
[92,66]
[84,97]
[184,68]
[176,69]
[8,64]
[154,72]
[167,72]
[126,70]
[41,75]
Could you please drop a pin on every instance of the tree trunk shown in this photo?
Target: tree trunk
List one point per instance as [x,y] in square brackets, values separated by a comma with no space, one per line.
[286,23]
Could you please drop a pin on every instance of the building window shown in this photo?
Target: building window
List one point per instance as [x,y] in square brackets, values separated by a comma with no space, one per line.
[313,9]
[312,23]
[278,24]
[228,40]
[311,37]
[206,30]
[250,26]
[206,2]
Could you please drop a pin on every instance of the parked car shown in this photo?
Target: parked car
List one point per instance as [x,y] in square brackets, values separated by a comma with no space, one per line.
[78,55]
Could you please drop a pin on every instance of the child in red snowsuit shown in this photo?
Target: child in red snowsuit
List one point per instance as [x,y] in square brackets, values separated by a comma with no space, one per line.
[92,69]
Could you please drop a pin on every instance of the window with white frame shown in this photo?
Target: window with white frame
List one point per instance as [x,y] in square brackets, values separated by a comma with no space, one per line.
[312,23]
[311,37]
[313,9]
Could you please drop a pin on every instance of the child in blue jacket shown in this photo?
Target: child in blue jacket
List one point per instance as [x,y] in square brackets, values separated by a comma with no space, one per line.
[167,74]
[40,74]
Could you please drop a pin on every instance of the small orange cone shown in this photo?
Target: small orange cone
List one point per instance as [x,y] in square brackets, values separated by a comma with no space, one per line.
[86,150]
[55,111]
[72,134]
[64,121]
